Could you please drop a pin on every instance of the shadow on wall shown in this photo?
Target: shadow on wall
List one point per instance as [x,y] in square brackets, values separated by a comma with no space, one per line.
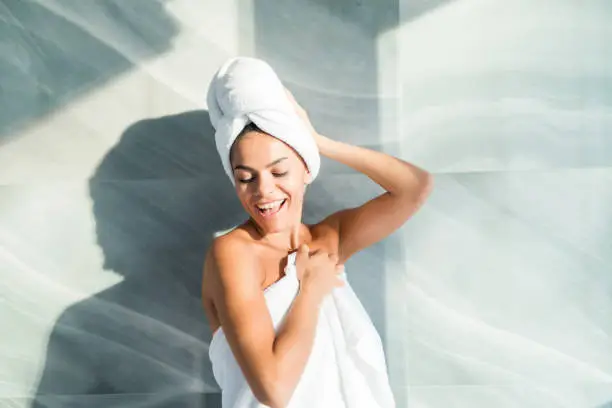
[158,197]
[52,52]
[382,15]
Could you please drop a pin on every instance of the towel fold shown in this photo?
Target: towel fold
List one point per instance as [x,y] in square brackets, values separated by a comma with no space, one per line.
[248,90]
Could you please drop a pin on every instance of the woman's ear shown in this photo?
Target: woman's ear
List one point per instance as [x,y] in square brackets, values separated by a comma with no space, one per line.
[307,177]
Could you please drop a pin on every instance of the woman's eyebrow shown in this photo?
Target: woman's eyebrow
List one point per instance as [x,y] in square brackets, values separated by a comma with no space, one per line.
[247,168]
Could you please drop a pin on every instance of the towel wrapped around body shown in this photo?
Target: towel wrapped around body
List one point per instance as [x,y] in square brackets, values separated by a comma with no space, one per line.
[347,367]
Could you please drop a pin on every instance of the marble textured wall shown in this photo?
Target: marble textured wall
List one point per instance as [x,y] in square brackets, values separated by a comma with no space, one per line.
[497,294]
[508,274]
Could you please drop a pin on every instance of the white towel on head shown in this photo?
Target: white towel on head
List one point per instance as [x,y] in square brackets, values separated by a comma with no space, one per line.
[248,90]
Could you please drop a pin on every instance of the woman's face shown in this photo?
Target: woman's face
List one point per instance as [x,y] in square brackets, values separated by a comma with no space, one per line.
[270,178]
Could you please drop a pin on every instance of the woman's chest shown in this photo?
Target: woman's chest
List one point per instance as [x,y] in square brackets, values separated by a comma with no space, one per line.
[273,263]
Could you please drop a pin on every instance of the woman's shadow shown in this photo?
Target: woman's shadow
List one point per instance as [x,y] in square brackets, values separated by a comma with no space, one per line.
[158,198]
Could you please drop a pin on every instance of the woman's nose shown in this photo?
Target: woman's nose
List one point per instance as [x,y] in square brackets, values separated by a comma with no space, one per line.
[265,185]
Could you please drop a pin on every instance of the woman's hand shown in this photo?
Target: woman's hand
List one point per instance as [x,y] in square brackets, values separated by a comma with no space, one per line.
[318,273]
[300,111]
[304,116]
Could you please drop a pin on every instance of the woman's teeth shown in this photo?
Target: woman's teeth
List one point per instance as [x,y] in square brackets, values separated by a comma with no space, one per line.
[270,208]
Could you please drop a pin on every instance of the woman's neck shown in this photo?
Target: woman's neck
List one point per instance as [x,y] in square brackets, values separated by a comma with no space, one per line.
[288,240]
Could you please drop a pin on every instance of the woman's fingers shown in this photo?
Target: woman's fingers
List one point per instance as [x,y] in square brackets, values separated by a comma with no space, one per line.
[301,258]
[291,97]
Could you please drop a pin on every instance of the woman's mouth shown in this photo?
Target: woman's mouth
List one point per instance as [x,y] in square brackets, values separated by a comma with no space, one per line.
[271,208]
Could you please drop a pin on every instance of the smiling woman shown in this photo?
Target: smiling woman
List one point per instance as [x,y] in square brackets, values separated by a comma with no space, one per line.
[279,338]
[270,178]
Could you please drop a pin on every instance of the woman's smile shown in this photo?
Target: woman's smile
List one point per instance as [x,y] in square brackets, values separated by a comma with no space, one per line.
[271,208]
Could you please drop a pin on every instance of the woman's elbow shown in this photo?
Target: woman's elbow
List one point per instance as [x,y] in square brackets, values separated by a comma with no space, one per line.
[427,184]
[270,402]
[421,190]
[272,398]
[270,392]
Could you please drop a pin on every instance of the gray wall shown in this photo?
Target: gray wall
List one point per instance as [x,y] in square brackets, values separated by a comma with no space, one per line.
[498,293]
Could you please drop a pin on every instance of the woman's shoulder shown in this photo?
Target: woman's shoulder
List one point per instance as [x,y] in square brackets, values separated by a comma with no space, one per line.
[230,262]
[231,259]
[236,242]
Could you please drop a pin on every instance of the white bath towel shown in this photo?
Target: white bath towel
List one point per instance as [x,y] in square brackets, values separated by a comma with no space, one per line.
[248,90]
[346,368]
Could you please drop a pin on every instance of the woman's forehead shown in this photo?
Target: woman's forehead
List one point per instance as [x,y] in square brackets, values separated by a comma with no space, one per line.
[260,148]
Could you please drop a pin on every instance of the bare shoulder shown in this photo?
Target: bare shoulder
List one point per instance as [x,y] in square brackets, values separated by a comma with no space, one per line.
[214,276]
[230,266]
[226,254]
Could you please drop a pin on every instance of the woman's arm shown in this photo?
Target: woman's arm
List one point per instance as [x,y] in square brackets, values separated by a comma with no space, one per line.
[272,364]
[407,187]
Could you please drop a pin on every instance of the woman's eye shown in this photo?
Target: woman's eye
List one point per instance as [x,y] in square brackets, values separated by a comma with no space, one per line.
[245,178]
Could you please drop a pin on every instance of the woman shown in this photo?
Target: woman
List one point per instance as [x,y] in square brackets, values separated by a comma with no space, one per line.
[270,179]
